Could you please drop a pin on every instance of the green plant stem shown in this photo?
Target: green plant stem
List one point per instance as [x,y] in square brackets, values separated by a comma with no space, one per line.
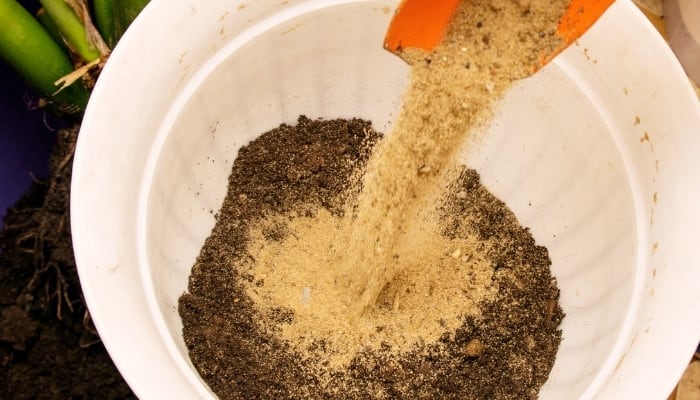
[50,27]
[125,12]
[113,17]
[128,11]
[72,29]
[105,20]
[30,50]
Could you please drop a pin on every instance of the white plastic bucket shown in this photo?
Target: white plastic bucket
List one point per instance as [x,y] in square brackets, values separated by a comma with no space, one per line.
[597,154]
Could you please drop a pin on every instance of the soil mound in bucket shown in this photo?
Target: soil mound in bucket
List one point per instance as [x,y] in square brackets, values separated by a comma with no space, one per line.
[291,182]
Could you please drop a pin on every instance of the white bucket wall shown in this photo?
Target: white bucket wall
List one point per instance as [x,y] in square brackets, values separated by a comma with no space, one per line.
[596,154]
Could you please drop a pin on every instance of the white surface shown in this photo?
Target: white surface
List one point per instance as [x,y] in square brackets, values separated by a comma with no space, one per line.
[181,94]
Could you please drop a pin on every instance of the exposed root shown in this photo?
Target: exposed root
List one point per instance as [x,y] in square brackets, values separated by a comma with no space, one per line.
[85,344]
[69,79]
[60,292]
[87,323]
[43,233]
[26,237]
[18,226]
[64,162]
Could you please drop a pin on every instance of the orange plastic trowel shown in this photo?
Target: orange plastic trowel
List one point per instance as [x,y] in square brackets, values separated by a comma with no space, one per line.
[423,23]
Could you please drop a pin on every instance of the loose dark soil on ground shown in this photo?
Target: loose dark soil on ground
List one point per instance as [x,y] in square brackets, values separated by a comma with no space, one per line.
[48,346]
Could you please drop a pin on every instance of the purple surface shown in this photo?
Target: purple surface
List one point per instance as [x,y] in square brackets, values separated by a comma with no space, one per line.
[25,141]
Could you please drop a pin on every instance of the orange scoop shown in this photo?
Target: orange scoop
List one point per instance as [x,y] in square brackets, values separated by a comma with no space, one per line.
[423,23]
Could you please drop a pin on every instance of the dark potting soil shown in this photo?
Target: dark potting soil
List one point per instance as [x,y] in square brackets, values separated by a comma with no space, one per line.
[506,354]
[48,346]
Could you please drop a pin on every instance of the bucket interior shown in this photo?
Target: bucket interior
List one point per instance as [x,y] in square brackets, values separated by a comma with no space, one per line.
[550,155]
